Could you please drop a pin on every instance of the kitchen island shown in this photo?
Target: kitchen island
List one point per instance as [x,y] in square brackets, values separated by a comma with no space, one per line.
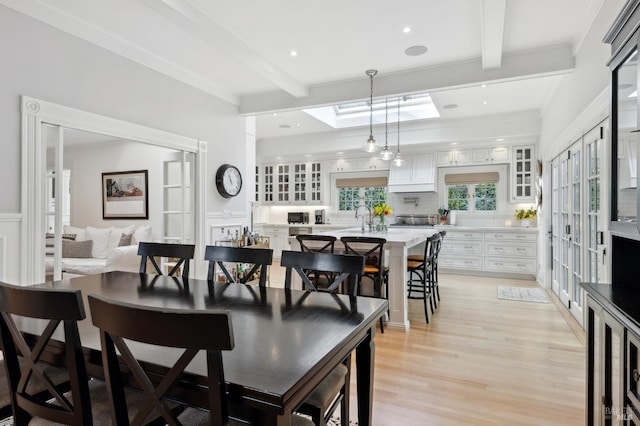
[399,241]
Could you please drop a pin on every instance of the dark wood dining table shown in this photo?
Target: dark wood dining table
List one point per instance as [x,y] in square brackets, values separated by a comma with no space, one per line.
[286,341]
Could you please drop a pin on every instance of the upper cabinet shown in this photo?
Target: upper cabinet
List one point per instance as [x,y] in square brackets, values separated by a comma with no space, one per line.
[291,183]
[418,173]
[356,164]
[456,157]
[475,156]
[624,38]
[523,173]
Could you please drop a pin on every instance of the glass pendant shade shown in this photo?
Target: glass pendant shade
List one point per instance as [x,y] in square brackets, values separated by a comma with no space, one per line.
[386,153]
[370,145]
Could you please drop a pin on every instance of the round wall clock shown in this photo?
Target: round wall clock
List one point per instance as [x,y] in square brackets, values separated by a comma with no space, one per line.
[228,180]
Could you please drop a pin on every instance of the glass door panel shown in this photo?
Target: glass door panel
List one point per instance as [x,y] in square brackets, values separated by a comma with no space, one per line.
[556,227]
[575,307]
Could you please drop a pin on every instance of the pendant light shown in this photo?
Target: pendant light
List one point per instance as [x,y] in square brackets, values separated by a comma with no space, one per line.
[398,161]
[370,144]
[386,154]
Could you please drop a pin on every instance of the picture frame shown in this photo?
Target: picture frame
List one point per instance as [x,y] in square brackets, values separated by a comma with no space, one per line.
[125,195]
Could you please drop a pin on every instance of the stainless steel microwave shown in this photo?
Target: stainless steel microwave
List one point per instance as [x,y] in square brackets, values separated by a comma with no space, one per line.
[298,217]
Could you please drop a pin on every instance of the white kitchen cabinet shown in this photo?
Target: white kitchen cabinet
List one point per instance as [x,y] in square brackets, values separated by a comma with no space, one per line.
[341,165]
[456,157]
[278,238]
[508,251]
[494,154]
[523,173]
[291,183]
[371,163]
[418,173]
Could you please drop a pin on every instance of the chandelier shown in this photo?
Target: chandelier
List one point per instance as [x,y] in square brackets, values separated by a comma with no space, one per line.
[370,144]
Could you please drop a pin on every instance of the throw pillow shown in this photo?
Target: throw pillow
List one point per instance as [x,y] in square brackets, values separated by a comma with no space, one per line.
[78,249]
[125,240]
[100,238]
[49,238]
[81,233]
[117,233]
[142,233]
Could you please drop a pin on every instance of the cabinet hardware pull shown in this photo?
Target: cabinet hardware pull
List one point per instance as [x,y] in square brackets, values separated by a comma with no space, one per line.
[521,236]
[520,249]
[499,236]
[468,247]
[521,265]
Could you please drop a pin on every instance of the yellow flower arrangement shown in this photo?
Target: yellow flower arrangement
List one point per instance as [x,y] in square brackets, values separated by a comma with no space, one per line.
[382,210]
[525,213]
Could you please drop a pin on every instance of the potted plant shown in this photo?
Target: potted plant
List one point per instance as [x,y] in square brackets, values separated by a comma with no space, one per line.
[525,216]
[444,213]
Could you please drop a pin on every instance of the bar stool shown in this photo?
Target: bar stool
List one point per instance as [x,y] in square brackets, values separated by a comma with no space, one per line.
[421,274]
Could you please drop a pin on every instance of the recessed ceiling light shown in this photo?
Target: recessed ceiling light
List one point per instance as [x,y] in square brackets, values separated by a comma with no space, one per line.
[339,152]
[484,102]
[275,114]
[415,50]
[298,125]
[500,140]
[284,126]
[450,106]
[453,143]
[406,30]
[484,85]
[293,53]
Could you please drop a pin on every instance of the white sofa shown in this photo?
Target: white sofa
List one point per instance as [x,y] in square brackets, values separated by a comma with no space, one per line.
[106,252]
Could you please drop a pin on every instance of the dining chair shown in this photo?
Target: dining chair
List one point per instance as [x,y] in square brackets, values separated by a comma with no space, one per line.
[334,388]
[121,324]
[421,274]
[259,258]
[372,249]
[41,393]
[343,266]
[150,251]
[317,244]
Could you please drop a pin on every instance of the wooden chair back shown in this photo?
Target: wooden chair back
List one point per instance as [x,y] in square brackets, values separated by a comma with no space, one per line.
[150,251]
[259,258]
[173,328]
[316,243]
[372,249]
[55,307]
[342,265]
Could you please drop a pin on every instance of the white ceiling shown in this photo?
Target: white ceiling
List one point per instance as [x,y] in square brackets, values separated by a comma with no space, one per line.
[239,50]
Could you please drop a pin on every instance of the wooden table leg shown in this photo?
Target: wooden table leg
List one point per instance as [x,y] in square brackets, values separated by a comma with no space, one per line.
[365,357]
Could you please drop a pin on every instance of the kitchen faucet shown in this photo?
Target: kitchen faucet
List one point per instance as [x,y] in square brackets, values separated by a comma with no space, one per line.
[370,223]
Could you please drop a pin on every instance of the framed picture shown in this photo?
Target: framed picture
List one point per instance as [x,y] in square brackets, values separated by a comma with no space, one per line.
[125,195]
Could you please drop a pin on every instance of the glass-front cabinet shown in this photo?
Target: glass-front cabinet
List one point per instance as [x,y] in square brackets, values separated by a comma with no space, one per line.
[625,130]
[624,209]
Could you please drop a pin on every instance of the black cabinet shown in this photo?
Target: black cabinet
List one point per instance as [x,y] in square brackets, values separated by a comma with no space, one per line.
[624,37]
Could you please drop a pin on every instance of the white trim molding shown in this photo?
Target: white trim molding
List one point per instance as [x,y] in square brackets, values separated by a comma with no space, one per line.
[37,112]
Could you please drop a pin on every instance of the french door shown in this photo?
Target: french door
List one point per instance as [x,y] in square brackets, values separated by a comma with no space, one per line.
[577,220]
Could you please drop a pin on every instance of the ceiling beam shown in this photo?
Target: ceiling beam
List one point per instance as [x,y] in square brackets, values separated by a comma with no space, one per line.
[492,13]
[555,60]
[58,18]
[194,20]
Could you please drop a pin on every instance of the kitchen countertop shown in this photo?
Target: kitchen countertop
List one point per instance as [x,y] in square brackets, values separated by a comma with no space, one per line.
[486,228]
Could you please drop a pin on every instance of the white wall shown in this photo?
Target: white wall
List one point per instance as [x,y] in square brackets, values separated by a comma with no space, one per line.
[87,163]
[48,64]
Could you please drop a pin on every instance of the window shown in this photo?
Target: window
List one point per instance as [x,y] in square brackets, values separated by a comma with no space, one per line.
[350,198]
[478,189]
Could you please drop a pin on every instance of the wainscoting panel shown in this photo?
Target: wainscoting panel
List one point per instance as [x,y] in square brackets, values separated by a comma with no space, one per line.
[10,248]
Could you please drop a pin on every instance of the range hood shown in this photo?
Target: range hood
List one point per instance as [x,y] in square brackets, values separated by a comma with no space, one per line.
[412,187]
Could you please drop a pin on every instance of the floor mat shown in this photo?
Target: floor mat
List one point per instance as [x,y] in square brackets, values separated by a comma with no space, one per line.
[522,294]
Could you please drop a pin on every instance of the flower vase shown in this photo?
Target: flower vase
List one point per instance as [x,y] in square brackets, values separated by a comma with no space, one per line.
[381,227]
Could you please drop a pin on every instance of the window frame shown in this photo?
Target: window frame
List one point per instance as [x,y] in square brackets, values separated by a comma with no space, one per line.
[335,192]
[502,202]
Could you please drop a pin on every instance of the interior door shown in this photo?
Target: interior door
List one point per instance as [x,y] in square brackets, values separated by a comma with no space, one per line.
[576,240]
[555,227]
[178,198]
[596,267]
[54,198]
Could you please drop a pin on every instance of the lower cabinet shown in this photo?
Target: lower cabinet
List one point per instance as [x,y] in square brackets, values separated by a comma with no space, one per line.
[605,367]
[509,251]
[278,238]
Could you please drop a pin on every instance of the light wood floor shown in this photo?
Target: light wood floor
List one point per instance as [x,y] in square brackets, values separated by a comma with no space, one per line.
[481,361]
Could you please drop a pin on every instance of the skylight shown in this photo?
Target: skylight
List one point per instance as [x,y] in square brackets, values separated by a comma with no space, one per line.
[354,114]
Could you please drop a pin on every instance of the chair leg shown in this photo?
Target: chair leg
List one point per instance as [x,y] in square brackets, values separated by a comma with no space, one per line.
[424,301]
